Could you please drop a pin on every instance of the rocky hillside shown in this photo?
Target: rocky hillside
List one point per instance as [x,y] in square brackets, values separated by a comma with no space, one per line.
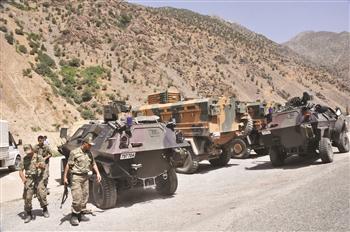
[329,49]
[77,55]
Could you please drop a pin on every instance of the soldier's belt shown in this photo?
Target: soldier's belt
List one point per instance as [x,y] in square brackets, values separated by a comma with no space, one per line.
[80,174]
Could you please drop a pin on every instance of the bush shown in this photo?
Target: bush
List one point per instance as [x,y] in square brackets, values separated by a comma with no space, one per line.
[22,49]
[86,95]
[43,69]
[87,114]
[3,28]
[27,72]
[124,20]
[74,62]
[19,31]
[68,74]
[47,60]
[9,38]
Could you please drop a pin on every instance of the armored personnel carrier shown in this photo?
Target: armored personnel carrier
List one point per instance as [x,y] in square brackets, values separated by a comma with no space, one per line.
[305,128]
[216,128]
[135,152]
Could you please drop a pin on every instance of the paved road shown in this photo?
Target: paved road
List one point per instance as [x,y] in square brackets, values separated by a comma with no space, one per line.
[246,195]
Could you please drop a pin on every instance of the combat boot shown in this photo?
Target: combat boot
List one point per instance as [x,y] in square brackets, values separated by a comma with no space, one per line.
[74,221]
[28,217]
[83,218]
[46,212]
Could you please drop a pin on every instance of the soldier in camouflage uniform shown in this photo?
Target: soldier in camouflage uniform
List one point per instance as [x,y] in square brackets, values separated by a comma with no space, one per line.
[45,152]
[31,172]
[80,162]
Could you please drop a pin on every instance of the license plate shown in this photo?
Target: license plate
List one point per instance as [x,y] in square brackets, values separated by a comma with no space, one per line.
[265,132]
[128,155]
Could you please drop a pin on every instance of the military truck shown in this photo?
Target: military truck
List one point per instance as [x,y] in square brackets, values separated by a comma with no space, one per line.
[305,128]
[216,128]
[130,153]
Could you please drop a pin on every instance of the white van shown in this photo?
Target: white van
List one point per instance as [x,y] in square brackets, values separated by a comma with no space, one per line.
[9,153]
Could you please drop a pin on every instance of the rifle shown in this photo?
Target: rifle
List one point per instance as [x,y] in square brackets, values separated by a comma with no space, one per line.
[65,195]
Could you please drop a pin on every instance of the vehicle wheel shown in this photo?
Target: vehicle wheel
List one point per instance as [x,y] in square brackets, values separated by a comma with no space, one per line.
[325,149]
[190,166]
[104,193]
[343,144]
[261,152]
[15,167]
[238,149]
[223,159]
[167,186]
[277,157]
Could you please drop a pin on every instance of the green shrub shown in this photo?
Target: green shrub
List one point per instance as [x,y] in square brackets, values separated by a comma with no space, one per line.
[27,72]
[9,38]
[46,59]
[43,69]
[68,74]
[87,114]
[3,28]
[19,31]
[124,20]
[86,95]
[74,62]
[22,49]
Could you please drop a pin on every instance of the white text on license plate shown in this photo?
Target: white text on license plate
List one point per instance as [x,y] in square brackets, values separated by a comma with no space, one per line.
[129,155]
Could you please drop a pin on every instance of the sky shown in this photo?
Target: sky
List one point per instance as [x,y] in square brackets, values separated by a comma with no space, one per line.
[278,20]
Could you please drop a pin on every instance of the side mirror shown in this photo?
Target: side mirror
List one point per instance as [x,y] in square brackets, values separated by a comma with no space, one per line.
[64,133]
[19,142]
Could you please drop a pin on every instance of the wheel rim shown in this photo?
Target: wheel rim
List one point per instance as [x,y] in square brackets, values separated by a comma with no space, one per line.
[17,162]
[237,148]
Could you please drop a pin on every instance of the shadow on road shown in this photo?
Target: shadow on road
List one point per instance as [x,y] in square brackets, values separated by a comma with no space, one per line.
[4,172]
[35,213]
[205,168]
[138,196]
[292,162]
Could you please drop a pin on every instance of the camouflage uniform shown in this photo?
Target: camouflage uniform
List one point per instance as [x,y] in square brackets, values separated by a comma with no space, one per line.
[44,151]
[34,181]
[80,163]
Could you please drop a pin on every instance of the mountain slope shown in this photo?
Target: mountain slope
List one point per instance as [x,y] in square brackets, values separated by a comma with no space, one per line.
[329,49]
[90,53]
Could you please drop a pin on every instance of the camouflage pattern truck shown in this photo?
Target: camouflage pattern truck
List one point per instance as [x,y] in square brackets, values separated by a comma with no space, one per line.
[139,152]
[213,126]
[306,129]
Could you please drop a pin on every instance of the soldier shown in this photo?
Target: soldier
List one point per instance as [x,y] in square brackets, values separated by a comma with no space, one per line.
[44,151]
[80,162]
[31,173]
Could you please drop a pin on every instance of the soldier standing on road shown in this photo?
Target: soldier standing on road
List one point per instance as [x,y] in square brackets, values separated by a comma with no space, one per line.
[43,150]
[31,173]
[80,162]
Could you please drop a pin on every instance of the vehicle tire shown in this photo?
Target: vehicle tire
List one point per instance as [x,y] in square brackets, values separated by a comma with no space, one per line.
[325,149]
[15,167]
[343,143]
[104,193]
[262,152]
[190,166]
[223,159]
[277,157]
[167,186]
[237,149]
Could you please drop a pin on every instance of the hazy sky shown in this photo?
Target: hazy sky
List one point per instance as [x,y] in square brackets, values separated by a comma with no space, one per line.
[277,20]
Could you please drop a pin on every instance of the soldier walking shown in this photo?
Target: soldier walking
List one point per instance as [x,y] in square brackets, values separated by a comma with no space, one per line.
[43,150]
[31,172]
[80,162]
